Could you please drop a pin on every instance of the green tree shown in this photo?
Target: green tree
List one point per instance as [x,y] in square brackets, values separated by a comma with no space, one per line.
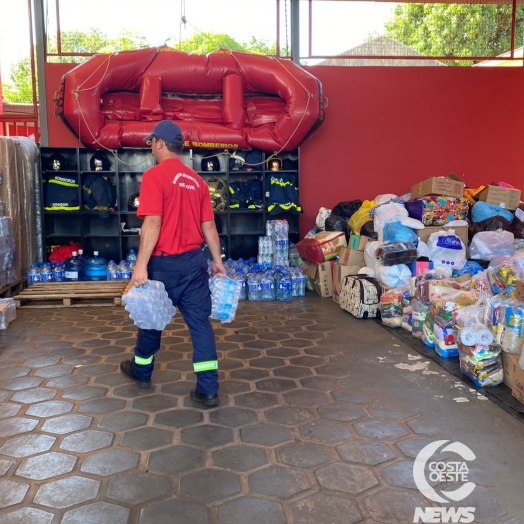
[94,41]
[455,30]
[203,43]
[19,89]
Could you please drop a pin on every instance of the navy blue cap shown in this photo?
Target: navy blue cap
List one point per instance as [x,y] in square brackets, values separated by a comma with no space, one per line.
[167,130]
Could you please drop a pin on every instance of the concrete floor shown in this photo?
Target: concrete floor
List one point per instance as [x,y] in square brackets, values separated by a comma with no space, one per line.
[320,420]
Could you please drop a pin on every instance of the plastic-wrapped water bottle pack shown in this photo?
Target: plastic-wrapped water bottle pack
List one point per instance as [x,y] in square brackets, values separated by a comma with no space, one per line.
[225,293]
[149,306]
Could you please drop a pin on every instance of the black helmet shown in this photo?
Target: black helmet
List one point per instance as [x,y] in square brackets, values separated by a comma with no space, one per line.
[236,162]
[99,162]
[56,162]
[132,203]
[210,164]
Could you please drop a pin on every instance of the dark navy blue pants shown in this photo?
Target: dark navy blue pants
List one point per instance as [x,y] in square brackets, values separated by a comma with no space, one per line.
[186,280]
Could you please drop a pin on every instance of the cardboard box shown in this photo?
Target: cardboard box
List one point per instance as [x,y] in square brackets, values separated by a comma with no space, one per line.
[519,290]
[518,384]
[321,277]
[350,257]
[510,363]
[359,242]
[501,197]
[438,186]
[339,272]
[461,232]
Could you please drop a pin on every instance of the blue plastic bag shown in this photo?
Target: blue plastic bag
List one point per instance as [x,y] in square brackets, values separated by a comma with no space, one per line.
[395,232]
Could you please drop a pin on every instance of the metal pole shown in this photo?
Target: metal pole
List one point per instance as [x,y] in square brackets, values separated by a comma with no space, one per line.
[39,50]
[295,31]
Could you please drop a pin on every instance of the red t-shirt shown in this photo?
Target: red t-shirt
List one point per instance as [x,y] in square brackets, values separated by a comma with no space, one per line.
[174,191]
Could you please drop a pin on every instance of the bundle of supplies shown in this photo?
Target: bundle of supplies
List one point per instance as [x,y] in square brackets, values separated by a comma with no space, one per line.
[480,356]
[225,293]
[149,306]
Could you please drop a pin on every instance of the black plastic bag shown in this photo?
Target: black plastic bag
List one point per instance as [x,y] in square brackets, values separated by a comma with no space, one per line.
[347,209]
[368,230]
[490,224]
[337,223]
[518,224]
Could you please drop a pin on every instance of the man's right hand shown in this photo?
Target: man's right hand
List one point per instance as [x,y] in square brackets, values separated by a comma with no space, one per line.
[218,267]
[139,277]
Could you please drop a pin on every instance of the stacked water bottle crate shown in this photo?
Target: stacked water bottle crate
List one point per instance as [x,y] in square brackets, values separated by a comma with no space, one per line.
[7,312]
[7,252]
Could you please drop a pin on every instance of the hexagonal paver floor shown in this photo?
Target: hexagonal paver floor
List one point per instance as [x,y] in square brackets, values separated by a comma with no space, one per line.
[209,485]
[312,427]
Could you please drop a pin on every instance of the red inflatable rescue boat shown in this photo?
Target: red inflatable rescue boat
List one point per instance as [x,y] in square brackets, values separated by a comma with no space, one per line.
[223,100]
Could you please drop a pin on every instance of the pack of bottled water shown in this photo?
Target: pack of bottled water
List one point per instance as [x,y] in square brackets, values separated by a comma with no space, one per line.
[7,252]
[149,306]
[7,312]
[279,231]
[225,294]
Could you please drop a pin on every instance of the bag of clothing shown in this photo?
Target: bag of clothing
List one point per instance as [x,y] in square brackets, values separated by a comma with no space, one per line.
[360,296]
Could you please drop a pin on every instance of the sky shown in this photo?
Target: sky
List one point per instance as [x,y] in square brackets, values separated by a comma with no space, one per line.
[337,26]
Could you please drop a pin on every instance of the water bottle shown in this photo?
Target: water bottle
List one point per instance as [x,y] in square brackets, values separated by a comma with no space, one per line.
[33,275]
[240,277]
[295,283]
[284,289]
[46,273]
[58,273]
[95,268]
[301,284]
[124,271]
[82,263]
[112,271]
[72,269]
[253,288]
[268,288]
[131,255]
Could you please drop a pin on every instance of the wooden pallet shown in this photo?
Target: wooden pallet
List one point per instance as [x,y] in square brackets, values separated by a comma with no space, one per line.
[71,294]
[13,288]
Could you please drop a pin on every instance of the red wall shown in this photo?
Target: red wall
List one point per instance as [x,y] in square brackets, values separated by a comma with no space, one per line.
[387,128]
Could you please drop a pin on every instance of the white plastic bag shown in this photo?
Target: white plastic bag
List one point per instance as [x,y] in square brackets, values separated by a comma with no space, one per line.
[320,221]
[391,212]
[393,276]
[447,251]
[369,254]
[486,245]
[149,306]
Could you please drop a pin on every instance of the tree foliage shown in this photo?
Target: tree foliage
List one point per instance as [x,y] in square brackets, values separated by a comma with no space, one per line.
[19,88]
[455,30]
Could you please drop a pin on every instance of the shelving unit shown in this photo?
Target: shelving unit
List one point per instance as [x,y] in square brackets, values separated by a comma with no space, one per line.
[104,232]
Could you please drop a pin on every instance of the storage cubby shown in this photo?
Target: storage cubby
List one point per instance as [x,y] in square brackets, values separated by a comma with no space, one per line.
[115,231]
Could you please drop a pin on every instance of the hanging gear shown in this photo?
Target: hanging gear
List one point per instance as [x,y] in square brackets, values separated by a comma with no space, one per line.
[62,193]
[217,191]
[283,194]
[98,194]
[245,194]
